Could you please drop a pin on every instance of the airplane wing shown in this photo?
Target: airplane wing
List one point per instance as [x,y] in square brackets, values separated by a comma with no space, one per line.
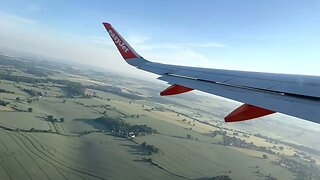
[261,93]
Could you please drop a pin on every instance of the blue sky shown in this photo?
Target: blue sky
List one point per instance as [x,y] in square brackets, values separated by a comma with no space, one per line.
[273,36]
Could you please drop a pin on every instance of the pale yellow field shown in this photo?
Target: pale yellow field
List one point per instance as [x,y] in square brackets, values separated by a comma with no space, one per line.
[5,108]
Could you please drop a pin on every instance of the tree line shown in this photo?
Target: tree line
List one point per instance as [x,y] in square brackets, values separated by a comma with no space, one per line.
[121,128]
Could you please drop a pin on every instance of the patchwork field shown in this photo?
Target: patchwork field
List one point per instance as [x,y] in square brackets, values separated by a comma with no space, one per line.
[49,130]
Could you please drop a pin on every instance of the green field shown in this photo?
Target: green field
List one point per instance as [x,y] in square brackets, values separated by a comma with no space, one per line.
[33,146]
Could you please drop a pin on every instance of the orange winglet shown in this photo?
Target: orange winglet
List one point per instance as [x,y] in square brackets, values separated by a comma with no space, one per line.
[247,112]
[175,89]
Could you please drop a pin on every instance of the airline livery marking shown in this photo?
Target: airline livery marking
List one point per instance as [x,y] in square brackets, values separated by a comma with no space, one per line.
[118,41]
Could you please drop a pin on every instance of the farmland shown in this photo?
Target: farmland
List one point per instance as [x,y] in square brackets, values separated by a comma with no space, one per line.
[49,130]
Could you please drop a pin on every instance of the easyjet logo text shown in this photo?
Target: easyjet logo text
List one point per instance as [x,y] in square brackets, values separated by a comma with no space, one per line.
[118,41]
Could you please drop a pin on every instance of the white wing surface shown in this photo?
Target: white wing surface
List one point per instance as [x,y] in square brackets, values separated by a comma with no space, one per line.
[261,93]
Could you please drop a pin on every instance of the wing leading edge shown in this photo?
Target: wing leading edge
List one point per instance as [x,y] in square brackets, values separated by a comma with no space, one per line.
[261,93]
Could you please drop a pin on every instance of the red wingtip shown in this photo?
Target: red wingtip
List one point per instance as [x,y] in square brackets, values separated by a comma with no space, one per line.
[247,112]
[175,89]
[124,48]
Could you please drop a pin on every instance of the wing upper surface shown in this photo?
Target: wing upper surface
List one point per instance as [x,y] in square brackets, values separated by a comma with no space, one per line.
[299,85]
[262,93]
[305,108]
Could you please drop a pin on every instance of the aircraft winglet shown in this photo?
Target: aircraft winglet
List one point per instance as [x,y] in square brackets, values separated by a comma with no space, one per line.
[126,51]
[175,89]
[247,112]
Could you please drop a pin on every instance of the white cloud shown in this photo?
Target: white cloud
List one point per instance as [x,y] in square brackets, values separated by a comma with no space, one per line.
[138,39]
[101,40]
[177,46]
[28,35]
[144,42]
[171,53]
[10,21]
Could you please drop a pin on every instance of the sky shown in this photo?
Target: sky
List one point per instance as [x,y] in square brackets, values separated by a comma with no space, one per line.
[281,36]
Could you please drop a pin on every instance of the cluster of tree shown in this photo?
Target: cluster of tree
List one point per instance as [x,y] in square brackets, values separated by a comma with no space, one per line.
[32,92]
[305,156]
[24,79]
[117,91]
[121,128]
[36,71]
[302,170]
[141,129]
[3,103]
[51,118]
[7,61]
[296,146]
[42,86]
[27,67]
[71,88]
[215,133]
[6,91]
[74,89]
[150,148]
[132,116]
[237,142]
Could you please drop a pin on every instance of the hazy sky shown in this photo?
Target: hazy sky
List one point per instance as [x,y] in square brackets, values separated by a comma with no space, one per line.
[273,35]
